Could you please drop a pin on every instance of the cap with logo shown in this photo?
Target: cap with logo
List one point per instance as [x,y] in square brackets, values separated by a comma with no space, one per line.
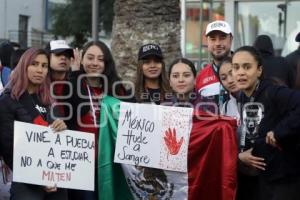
[218,26]
[60,46]
[150,50]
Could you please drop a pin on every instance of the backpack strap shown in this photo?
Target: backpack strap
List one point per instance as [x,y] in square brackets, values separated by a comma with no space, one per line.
[226,104]
[5,72]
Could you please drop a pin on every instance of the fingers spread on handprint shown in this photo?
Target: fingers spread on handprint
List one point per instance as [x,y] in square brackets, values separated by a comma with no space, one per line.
[171,141]
[181,141]
[168,133]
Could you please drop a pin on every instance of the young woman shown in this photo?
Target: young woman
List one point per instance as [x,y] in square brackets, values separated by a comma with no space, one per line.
[230,107]
[27,99]
[182,74]
[151,87]
[94,78]
[151,80]
[247,180]
[270,137]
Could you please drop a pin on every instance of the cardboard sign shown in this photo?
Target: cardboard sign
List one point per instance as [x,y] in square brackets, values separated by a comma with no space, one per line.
[153,136]
[42,157]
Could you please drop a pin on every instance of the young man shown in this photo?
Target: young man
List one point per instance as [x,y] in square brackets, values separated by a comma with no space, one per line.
[219,40]
[60,61]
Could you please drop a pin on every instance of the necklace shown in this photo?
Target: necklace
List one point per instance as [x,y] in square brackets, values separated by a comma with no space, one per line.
[91,97]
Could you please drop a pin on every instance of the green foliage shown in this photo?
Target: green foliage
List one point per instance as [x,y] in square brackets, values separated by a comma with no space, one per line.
[75,19]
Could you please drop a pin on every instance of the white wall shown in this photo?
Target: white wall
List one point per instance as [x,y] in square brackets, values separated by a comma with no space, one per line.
[11,9]
[3,18]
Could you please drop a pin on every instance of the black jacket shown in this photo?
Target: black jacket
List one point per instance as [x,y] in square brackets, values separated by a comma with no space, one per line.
[294,61]
[274,67]
[294,58]
[79,98]
[75,100]
[11,110]
[281,114]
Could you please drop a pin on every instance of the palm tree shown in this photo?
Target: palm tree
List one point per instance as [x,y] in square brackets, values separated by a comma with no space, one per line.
[138,22]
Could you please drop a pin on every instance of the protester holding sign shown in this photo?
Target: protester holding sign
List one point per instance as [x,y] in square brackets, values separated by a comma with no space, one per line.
[212,154]
[27,99]
[151,84]
[270,136]
[182,76]
[145,179]
[95,77]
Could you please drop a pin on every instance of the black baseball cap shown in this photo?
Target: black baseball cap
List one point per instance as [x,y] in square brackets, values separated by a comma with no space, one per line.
[150,50]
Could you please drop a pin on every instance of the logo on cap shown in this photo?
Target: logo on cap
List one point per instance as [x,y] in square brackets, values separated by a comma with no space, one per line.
[59,44]
[149,50]
[218,26]
[149,47]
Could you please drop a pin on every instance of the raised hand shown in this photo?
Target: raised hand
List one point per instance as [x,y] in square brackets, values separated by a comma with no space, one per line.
[171,141]
[75,62]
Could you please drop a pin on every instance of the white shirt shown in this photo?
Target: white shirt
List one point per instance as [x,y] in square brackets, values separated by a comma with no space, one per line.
[230,108]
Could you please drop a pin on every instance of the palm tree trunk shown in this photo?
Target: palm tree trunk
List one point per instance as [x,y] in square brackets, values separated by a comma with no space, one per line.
[138,22]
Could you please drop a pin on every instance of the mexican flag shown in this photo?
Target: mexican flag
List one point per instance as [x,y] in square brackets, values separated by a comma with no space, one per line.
[212,159]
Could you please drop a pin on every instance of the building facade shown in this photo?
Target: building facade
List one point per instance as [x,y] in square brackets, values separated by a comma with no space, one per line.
[27,21]
[280,19]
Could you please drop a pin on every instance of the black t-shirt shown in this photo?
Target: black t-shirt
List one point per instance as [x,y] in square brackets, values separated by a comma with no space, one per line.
[154,95]
[42,110]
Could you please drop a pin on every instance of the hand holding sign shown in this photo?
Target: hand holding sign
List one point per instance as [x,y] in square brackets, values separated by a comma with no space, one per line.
[50,189]
[171,141]
[42,157]
[58,125]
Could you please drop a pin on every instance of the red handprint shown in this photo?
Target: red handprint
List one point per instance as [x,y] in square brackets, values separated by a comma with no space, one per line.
[171,141]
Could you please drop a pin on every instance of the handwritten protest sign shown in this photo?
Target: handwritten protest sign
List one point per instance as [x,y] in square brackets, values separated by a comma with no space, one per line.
[153,136]
[42,157]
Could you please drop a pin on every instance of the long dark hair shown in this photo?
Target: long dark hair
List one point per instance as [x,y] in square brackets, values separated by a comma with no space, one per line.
[226,60]
[140,81]
[109,67]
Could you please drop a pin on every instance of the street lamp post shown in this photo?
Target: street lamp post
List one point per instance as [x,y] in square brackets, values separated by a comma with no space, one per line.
[95,11]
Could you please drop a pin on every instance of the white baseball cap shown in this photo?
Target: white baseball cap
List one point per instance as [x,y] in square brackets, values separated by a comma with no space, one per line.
[59,46]
[218,26]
